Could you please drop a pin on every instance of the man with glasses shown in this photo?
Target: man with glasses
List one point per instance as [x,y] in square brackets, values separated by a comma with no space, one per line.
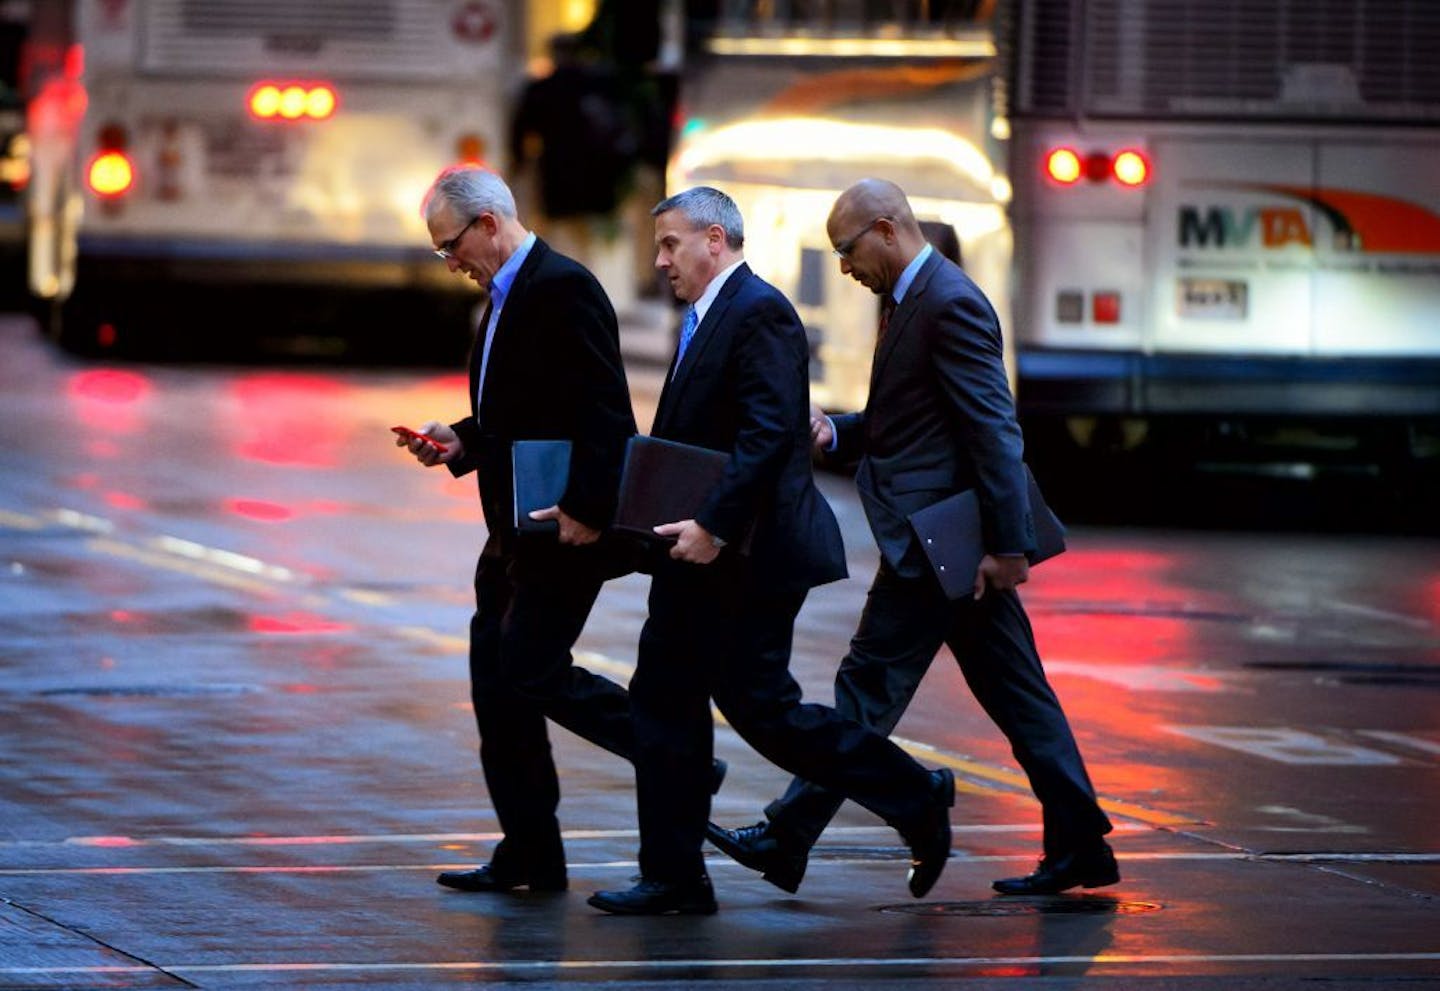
[939,420]
[546,364]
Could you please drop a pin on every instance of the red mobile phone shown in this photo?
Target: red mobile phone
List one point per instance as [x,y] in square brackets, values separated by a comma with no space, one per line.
[409,434]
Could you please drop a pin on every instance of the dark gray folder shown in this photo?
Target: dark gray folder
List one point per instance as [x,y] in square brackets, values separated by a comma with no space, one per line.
[541,469]
[664,481]
[952,536]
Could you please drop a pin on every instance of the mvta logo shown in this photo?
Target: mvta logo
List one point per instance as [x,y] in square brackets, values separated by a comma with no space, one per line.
[1222,227]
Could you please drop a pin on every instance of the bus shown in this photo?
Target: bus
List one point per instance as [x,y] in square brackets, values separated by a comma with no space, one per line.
[783,106]
[227,176]
[1227,228]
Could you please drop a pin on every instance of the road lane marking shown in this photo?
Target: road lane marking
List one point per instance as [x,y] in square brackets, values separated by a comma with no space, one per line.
[353,839]
[1286,746]
[1141,677]
[1017,782]
[833,856]
[710,963]
[1402,740]
[20,521]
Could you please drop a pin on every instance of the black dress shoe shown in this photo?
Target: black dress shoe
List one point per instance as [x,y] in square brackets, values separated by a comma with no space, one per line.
[757,848]
[1092,868]
[488,878]
[658,898]
[929,836]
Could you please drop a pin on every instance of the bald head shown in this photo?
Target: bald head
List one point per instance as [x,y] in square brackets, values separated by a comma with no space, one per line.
[875,233]
[877,198]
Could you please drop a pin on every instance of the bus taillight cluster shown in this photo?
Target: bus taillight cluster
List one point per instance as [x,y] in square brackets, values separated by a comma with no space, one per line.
[111,171]
[292,101]
[1128,167]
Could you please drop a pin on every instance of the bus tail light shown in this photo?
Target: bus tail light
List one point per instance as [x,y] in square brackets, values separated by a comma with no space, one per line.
[1131,168]
[1063,165]
[1066,166]
[292,101]
[111,172]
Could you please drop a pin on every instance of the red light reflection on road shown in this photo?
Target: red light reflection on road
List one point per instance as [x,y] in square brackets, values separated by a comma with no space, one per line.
[105,841]
[258,509]
[295,623]
[109,399]
[124,500]
[290,419]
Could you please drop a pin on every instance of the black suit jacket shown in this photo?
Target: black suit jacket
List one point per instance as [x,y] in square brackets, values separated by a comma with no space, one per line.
[554,373]
[743,387]
[939,419]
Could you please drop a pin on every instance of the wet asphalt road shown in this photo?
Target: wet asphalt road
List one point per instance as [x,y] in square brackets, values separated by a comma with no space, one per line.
[237,743]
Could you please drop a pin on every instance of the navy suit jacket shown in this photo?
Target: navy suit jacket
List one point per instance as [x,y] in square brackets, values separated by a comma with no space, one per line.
[554,373]
[939,419]
[743,388]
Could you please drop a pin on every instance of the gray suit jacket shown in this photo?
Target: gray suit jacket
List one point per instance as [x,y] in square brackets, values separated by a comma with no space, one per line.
[939,419]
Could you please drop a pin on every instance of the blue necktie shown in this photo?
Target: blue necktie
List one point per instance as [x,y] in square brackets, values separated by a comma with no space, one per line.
[687,333]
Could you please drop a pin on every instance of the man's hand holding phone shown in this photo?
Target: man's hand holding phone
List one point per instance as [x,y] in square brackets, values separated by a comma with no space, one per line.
[433,444]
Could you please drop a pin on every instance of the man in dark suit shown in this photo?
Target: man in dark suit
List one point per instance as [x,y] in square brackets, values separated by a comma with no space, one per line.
[939,420]
[721,621]
[546,364]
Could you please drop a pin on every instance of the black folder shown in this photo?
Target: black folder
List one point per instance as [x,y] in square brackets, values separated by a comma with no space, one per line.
[952,536]
[664,481]
[540,469]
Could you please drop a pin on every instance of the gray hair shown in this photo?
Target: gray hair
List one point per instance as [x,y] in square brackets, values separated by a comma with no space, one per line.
[469,191]
[703,206]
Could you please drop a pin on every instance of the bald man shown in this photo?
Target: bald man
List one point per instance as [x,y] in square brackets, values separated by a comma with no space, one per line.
[939,420]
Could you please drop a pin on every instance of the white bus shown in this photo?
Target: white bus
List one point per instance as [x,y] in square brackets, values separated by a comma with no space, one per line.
[1227,223]
[212,176]
[785,106]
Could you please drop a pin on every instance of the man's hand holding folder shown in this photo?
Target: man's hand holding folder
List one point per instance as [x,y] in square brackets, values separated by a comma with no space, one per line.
[540,470]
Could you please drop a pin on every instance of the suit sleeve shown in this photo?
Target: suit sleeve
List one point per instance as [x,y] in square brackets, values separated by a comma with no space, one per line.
[771,398]
[969,363]
[849,438]
[592,376]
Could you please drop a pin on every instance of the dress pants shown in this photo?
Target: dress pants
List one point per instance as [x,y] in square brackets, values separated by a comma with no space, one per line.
[904,622]
[531,605]
[720,631]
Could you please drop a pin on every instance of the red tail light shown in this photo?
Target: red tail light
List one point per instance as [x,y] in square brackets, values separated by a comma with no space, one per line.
[292,101]
[111,174]
[1063,165]
[1067,167]
[1131,168]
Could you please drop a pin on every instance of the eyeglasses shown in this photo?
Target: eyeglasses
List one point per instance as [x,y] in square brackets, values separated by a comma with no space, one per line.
[447,250]
[843,249]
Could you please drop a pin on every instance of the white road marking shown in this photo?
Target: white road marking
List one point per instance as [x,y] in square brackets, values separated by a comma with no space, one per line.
[833,858]
[1403,740]
[1286,746]
[522,966]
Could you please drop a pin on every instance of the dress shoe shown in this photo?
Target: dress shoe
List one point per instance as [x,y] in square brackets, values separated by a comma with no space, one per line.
[658,898]
[1093,867]
[757,848]
[717,775]
[929,835]
[488,878]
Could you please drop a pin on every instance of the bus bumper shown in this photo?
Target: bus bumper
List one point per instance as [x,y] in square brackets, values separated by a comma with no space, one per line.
[1133,384]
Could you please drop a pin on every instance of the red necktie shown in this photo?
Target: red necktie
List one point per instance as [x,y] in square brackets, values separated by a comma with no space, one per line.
[887,307]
